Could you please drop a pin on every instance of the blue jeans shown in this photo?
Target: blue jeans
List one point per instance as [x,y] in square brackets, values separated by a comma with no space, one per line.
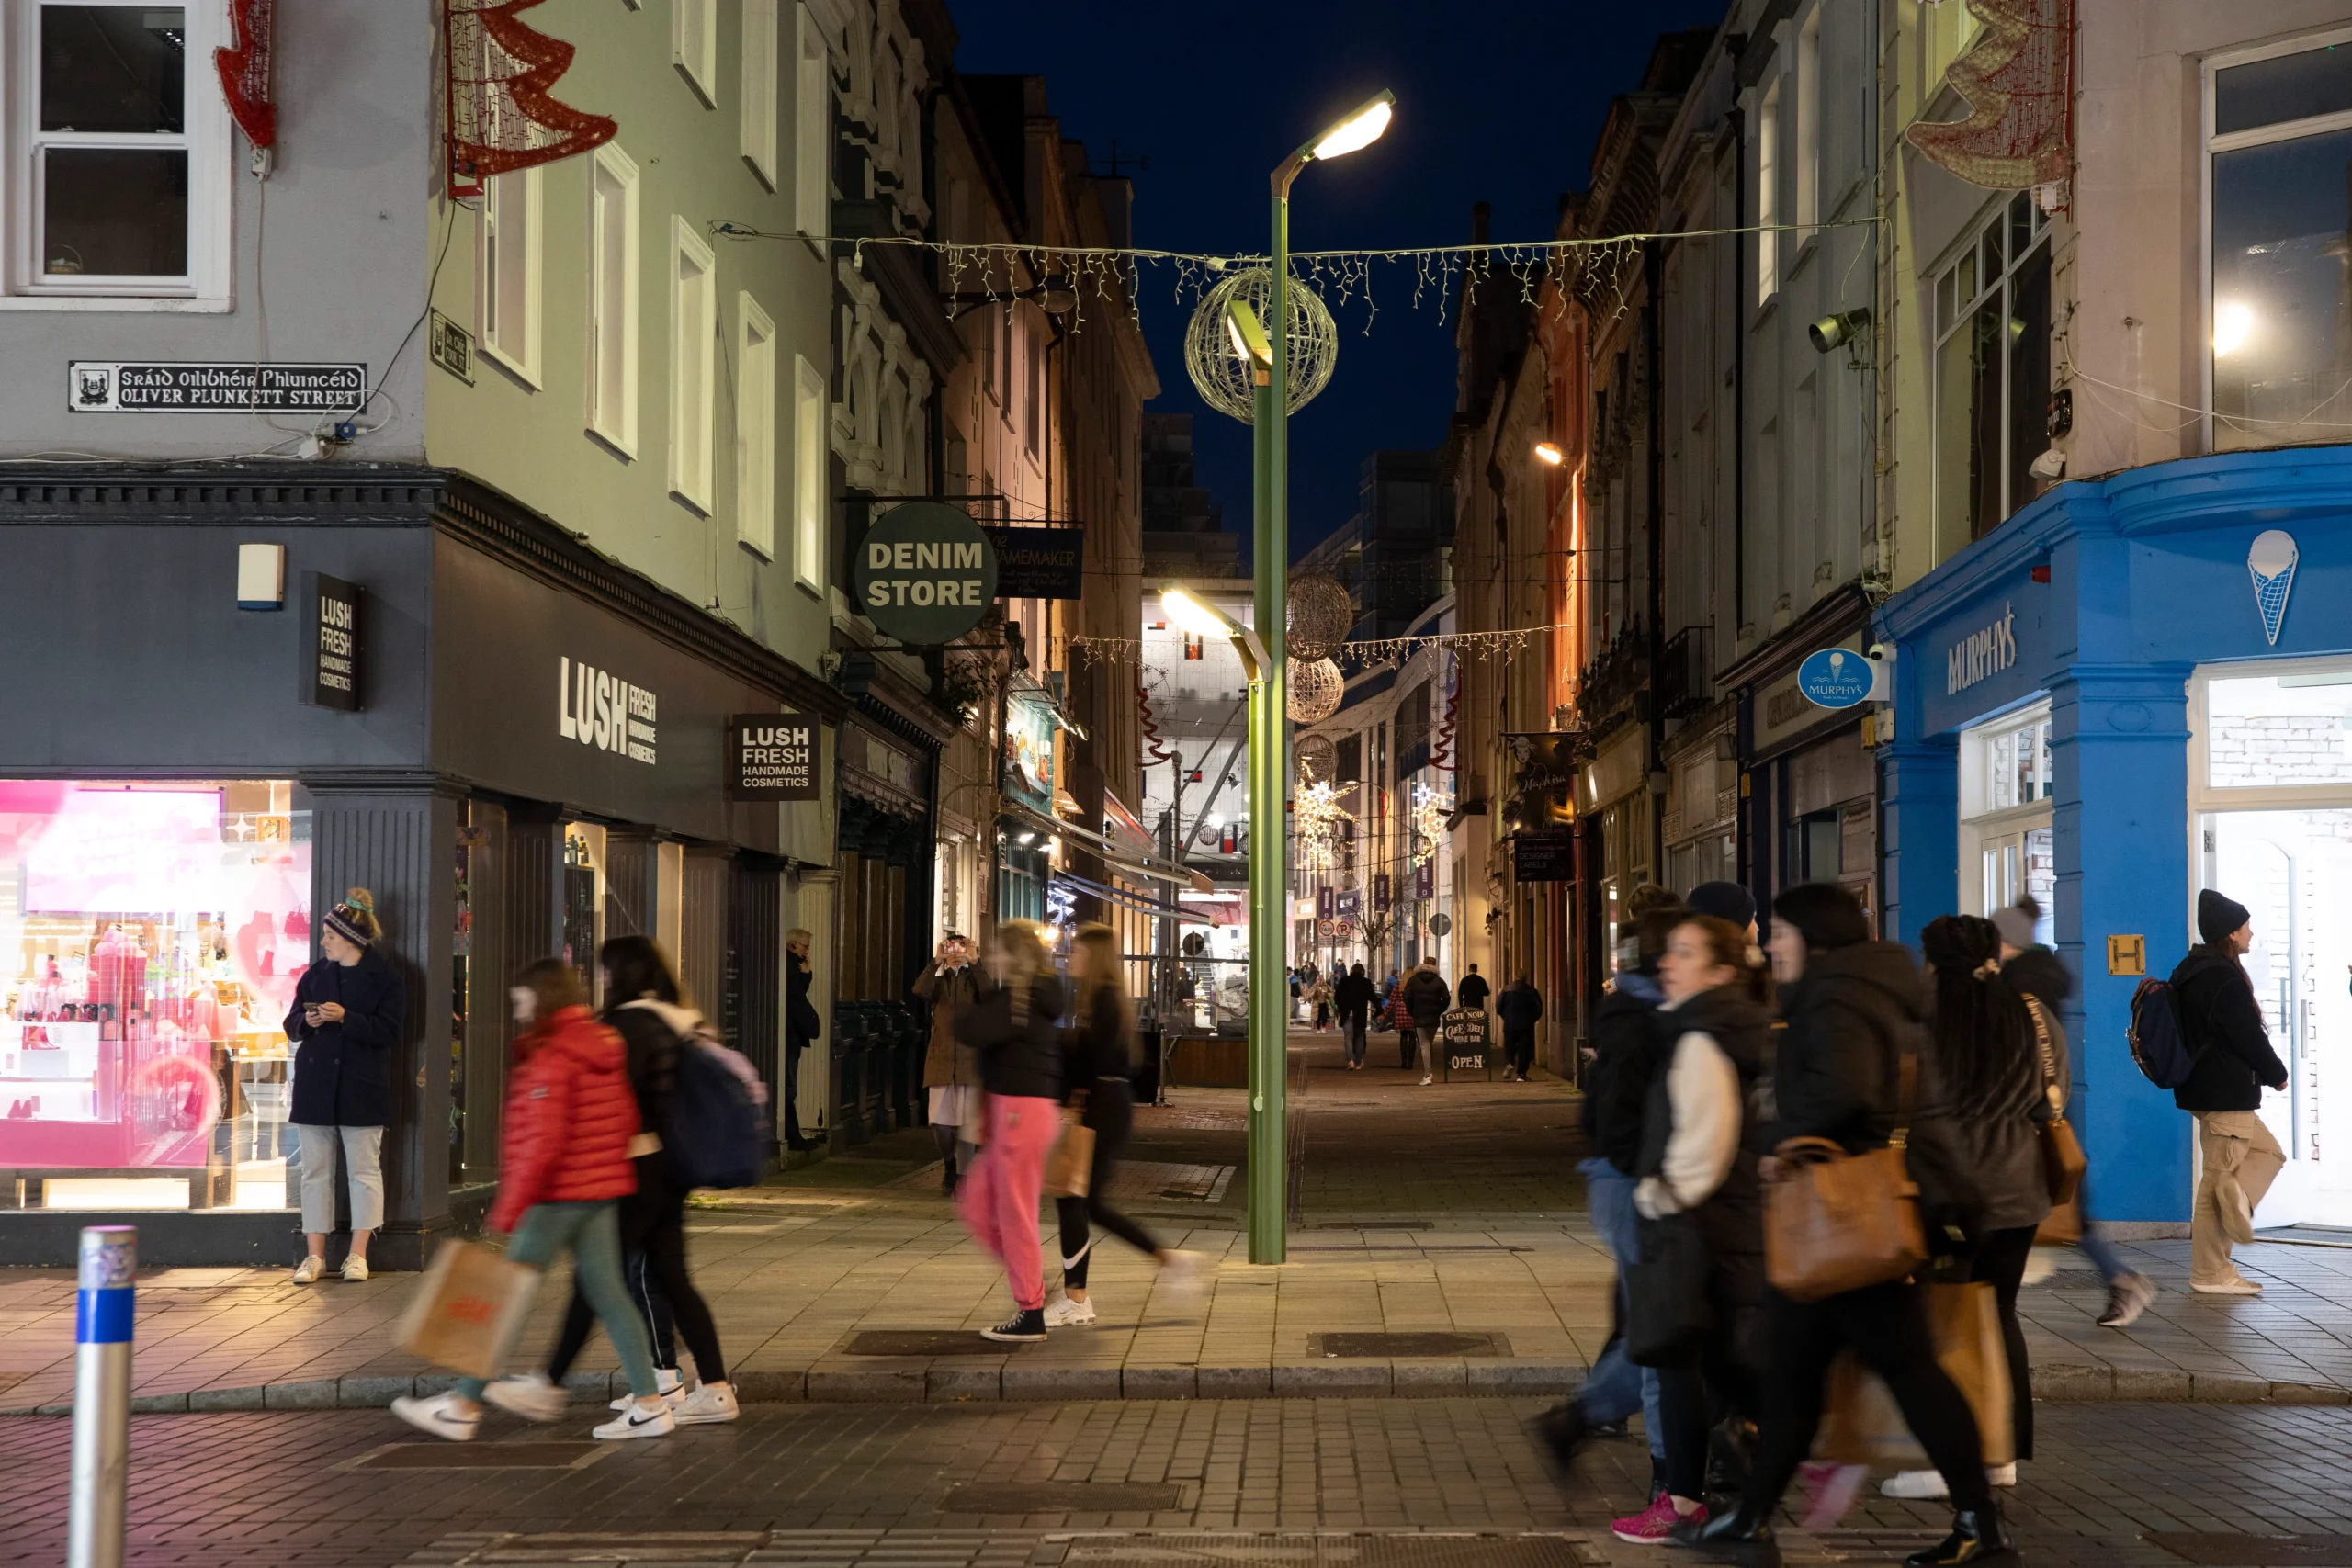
[591,1234]
[1615,1388]
[2095,1245]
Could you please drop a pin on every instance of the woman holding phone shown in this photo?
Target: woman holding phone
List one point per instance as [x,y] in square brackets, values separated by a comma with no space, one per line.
[348,1012]
[951,1070]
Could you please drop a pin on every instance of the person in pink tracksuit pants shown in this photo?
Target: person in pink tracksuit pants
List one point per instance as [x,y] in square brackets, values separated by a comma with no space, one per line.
[1015,1026]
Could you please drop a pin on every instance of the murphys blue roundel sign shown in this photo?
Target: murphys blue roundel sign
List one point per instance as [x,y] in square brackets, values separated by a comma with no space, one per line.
[1837,678]
[925,573]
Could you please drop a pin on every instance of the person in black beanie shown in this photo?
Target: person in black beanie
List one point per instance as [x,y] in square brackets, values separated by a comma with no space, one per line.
[2221,1024]
[1726,901]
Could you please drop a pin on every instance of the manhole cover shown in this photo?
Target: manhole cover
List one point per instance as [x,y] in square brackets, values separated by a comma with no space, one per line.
[1371,1225]
[480,1456]
[676,1549]
[1431,1344]
[1464,1551]
[1061,1497]
[2260,1550]
[921,1342]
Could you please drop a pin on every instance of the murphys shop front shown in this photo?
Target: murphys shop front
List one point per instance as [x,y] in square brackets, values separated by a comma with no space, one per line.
[2139,687]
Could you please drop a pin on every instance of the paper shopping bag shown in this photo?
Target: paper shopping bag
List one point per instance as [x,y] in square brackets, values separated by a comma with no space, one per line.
[468,1310]
[1071,1163]
[1860,1423]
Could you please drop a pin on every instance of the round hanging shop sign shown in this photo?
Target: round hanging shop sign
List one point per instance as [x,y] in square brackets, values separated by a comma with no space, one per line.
[925,573]
[1837,678]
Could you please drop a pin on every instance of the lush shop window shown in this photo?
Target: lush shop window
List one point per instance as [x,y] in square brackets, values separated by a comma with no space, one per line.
[2279,139]
[1992,373]
[114,156]
[151,935]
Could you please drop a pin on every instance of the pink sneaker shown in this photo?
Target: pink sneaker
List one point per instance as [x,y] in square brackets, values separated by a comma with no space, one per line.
[1654,1524]
[1829,1490]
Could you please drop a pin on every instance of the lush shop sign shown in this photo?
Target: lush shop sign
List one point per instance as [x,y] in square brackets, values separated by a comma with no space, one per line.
[925,573]
[772,756]
[330,642]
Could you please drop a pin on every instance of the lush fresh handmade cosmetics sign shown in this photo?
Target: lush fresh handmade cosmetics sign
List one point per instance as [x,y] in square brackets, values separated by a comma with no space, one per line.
[772,756]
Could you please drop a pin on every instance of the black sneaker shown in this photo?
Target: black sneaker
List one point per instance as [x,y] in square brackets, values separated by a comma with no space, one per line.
[1025,1328]
[1563,1430]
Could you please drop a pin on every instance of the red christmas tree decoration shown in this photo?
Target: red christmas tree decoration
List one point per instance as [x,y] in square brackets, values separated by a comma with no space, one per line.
[501,113]
[244,74]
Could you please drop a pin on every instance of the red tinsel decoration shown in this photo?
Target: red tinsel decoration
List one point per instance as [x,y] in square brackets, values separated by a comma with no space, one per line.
[244,71]
[1157,753]
[499,72]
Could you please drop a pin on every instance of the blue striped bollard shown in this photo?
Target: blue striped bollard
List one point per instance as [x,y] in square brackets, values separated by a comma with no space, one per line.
[102,1325]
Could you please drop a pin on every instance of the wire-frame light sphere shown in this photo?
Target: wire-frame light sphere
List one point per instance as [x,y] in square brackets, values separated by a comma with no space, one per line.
[1316,688]
[1223,377]
[1321,614]
[1317,757]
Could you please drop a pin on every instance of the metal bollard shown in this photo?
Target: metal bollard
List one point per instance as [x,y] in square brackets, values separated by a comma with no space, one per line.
[102,1327]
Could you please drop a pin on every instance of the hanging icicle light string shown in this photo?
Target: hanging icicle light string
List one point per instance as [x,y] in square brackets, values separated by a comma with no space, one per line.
[1591,271]
[1367,654]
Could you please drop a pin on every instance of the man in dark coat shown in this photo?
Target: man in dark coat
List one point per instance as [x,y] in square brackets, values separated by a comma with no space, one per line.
[1354,996]
[2221,1024]
[801,1028]
[1474,991]
[1423,998]
[1518,1009]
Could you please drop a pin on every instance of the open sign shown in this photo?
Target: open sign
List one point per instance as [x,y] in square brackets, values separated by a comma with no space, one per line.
[924,573]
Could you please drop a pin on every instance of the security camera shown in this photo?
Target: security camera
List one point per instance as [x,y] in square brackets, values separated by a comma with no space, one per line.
[1836,331]
[2051,464]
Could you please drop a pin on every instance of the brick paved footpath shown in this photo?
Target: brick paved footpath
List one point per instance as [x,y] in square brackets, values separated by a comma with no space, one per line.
[1454,1208]
[1000,1485]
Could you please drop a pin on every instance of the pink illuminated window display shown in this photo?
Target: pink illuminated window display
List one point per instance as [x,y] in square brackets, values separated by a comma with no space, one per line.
[150,936]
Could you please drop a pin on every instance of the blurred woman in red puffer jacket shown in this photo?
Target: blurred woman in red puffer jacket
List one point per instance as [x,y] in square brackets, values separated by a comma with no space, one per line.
[571,1119]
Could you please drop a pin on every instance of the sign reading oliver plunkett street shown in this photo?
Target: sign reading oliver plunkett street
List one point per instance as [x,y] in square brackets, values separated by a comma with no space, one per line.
[122,386]
[925,573]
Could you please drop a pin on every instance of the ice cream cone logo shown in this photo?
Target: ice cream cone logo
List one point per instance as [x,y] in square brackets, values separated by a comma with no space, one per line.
[2271,562]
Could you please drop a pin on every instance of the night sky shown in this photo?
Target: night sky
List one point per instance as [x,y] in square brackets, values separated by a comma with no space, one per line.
[1500,100]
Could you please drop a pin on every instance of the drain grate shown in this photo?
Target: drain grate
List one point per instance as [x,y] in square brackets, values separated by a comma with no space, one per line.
[1429,1344]
[1062,1497]
[1494,1550]
[480,1456]
[2259,1550]
[921,1342]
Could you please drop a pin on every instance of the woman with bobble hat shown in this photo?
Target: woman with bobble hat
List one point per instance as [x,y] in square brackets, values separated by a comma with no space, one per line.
[2221,1024]
[348,1012]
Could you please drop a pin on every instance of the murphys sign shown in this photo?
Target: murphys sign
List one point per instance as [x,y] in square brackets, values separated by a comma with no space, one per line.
[925,573]
[1837,678]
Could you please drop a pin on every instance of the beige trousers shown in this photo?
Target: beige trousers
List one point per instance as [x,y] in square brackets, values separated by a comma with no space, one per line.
[2231,1146]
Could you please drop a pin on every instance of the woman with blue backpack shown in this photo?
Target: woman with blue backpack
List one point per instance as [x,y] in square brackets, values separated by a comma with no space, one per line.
[644,1003]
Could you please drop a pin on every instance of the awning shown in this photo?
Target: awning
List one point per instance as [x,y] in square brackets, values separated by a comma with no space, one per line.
[1129,901]
[1124,862]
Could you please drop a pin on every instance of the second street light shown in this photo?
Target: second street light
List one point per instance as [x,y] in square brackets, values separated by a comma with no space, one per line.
[1269,352]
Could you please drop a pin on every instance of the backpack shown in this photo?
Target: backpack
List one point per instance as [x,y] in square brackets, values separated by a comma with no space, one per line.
[715,1130]
[2158,1050]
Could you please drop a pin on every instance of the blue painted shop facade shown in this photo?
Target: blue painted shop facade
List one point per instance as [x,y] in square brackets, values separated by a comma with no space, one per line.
[2137,687]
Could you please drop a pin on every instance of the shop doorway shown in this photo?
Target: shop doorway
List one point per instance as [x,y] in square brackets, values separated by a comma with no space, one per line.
[2288,868]
[2007,841]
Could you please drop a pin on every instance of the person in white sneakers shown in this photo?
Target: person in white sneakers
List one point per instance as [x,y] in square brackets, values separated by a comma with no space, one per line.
[570,1115]
[1099,1057]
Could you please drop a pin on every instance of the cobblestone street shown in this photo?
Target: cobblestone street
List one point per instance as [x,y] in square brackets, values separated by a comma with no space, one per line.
[332,1488]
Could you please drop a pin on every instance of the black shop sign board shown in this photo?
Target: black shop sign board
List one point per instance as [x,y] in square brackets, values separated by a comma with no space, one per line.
[924,574]
[331,647]
[1461,1036]
[772,756]
[1038,563]
[1546,857]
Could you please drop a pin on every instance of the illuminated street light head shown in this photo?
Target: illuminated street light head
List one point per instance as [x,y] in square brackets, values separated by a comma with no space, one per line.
[1549,452]
[1203,619]
[1359,131]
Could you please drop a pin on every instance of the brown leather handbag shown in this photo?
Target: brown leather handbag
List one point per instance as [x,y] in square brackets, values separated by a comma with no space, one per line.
[2064,1163]
[1835,1221]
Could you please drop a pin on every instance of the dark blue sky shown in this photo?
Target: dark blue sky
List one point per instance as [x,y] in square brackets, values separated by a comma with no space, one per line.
[1498,100]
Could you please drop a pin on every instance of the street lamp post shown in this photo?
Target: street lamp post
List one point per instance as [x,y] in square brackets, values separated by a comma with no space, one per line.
[1269,730]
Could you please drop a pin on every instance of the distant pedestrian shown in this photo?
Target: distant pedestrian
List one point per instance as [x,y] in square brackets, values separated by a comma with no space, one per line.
[2221,1024]
[1627,1047]
[2037,971]
[644,1001]
[570,1120]
[1988,1061]
[348,1016]
[1852,1006]
[1518,1009]
[1098,1068]
[1319,993]
[802,1028]
[951,1070]
[1473,992]
[1354,996]
[1425,997]
[1014,1025]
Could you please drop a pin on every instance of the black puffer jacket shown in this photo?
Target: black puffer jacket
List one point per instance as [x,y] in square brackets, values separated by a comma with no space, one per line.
[2042,975]
[1626,1056]
[2221,1025]
[1732,1217]
[1425,997]
[1021,1059]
